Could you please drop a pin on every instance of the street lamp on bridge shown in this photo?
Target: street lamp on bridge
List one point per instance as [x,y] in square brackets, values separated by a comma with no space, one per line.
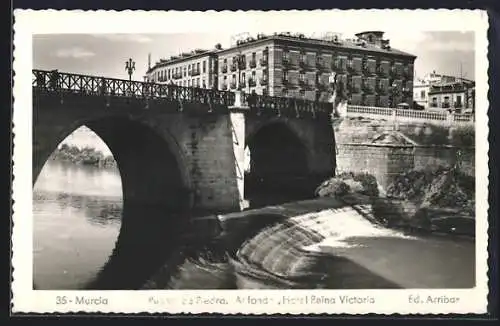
[130,67]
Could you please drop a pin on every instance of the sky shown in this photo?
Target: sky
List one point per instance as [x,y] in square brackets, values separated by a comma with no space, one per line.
[446,52]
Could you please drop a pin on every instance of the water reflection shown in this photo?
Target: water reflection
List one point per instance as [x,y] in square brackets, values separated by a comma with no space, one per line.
[77,213]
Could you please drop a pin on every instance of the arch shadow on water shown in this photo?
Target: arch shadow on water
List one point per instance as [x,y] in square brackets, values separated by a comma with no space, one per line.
[156,199]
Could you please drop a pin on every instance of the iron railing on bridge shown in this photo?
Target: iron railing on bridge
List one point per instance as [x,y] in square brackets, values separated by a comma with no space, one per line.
[55,81]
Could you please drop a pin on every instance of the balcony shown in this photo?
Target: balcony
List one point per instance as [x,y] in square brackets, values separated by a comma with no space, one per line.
[263,61]
[234,67]
[195,72]
[224,68]
[368,89]
[381,90]
[177,76]
[252,82]
[321,87]
[263,81]
[395,72]
[303,83]
[252,63]
[382,72]
[243,84]
[232,85]
[408,74]
[224,86]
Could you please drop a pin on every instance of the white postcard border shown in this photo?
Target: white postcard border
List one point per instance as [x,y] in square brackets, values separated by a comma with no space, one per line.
[29,22]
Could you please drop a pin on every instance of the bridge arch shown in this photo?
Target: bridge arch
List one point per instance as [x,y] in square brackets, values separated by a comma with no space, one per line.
[279,162]
[156,192]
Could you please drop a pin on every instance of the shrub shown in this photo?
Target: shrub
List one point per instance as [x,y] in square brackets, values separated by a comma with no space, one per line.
[349,182]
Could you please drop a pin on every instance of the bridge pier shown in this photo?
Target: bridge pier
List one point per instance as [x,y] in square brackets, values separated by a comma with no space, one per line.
[237,120]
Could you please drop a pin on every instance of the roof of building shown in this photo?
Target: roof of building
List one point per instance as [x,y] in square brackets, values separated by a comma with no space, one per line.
[350,44]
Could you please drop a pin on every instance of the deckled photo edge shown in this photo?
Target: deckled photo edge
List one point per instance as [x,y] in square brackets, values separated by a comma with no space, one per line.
[27,300]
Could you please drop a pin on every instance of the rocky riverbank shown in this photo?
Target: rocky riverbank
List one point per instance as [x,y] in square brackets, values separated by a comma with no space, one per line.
[83,156]
[433,200]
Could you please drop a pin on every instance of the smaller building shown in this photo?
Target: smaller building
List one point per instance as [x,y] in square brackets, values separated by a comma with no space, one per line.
[444,91]
[197,68]
[452,95]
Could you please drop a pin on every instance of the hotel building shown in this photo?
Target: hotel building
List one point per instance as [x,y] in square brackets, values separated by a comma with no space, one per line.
[194,69]
[289,65]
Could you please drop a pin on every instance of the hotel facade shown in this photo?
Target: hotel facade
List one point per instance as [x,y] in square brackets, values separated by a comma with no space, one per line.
[287,65]
[194,69]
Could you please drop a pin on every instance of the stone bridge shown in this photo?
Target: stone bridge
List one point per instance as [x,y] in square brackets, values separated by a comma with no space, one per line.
[180,151]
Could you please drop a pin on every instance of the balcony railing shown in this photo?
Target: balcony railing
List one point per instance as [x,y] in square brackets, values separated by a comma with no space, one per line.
[234,67]
[286,62]
[252,82]
[252,63]
[263,81]
[177,76]
[263,62]
[224,69]
[243,84]
[195,72]
[232,85]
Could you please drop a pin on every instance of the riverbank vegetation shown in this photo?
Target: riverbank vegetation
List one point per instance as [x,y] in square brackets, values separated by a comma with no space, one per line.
[82,156]
[438,199]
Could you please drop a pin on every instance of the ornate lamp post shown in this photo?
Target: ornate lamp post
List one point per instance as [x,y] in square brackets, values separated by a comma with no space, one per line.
[130,67]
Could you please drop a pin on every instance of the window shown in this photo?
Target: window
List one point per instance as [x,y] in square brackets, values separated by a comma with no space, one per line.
[254,55]
[422,94]
[189,83]
[302,57]
[285,56]
[184,71]
[204,66]
[285,75]
[204,84]
[459,101]
[197,82]
[198,66]
[302,76]
[234,77]
[284,92]
[243,76]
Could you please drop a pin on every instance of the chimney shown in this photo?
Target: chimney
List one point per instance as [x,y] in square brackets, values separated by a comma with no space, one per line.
[149,60]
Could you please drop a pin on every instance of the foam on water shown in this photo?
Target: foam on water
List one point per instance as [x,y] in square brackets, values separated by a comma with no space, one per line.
[338,225]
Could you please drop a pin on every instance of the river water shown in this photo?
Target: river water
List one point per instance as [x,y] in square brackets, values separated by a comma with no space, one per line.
[77,212]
